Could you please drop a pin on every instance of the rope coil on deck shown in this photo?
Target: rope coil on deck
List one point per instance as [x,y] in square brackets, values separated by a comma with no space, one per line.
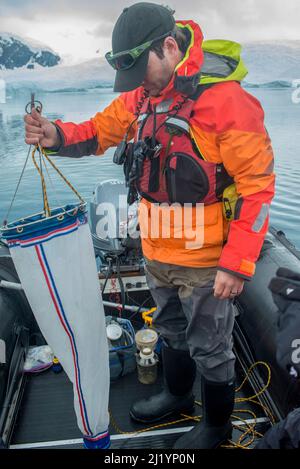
[249,432]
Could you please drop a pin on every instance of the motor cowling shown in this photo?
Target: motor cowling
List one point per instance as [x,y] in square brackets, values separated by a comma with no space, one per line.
[114,224]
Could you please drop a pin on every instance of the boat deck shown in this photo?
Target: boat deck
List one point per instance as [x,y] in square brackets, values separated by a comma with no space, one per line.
[46,416]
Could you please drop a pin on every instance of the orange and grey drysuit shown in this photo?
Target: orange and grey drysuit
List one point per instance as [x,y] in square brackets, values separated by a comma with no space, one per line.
[226,126]
[211,136]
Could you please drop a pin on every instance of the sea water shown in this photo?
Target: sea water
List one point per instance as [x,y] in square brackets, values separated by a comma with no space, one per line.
[282,118]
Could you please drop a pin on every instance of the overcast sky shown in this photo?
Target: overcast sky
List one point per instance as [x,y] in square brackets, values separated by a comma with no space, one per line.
[76,29]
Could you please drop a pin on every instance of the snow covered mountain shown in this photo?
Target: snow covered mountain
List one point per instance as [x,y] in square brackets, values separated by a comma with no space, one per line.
[92,74]
[17,52]
[270,64]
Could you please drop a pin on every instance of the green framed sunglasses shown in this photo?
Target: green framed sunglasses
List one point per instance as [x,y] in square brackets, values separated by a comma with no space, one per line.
[126,59]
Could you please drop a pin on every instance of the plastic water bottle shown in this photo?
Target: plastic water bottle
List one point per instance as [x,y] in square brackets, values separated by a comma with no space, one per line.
[147,366]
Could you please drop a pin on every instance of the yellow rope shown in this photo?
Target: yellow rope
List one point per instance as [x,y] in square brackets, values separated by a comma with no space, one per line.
[62,176]
[44,189]
[45,197]
[251,429]
[246,377]
[143,430]
[249,432]
[270,415]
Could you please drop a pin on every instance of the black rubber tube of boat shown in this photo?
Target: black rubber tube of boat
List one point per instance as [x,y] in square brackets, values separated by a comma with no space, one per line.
[259,317]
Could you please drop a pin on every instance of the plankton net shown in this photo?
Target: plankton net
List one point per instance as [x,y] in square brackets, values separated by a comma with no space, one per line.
[54,257]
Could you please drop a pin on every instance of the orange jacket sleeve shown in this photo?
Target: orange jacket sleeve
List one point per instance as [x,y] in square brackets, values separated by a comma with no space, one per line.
[247,155]
[106,129]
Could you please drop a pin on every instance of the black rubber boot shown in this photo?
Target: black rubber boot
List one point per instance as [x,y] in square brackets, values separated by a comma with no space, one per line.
[215,427]
[177,396]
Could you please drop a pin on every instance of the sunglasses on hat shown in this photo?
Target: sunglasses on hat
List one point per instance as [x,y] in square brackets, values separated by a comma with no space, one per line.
[126,59]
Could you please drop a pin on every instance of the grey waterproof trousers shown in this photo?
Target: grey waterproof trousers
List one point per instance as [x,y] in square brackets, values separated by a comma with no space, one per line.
[189,317]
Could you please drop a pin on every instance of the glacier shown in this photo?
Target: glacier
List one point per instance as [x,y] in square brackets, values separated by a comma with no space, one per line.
[270,64]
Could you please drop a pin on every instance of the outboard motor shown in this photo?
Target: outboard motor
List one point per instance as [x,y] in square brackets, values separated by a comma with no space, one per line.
[114,226]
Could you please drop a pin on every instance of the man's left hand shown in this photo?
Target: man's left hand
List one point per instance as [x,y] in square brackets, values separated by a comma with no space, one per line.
[227,285]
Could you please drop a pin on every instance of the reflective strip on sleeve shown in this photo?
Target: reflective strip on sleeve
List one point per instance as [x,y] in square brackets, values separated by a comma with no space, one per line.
[261,218]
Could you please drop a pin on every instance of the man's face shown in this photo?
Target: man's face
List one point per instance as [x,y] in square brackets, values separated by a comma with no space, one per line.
[159,73]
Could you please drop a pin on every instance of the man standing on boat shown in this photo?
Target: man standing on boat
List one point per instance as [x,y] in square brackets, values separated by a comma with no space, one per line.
[199,138]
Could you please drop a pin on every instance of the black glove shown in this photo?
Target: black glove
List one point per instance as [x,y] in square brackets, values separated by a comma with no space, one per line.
[285,289]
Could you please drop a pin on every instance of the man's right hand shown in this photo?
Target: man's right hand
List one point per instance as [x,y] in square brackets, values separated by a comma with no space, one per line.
[40,130]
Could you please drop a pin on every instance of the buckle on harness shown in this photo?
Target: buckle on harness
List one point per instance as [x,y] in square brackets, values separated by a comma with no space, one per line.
[157,149]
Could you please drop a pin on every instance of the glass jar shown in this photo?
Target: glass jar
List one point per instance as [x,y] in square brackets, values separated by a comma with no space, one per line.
[147,366]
